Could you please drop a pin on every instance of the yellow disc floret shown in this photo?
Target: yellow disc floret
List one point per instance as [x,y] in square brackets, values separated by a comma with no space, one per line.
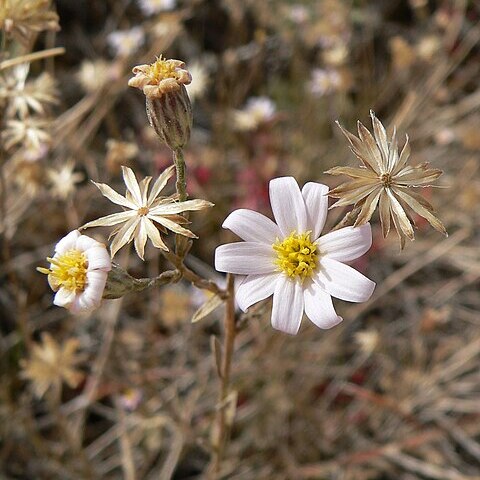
[296,255]
[68,270]
[162,69]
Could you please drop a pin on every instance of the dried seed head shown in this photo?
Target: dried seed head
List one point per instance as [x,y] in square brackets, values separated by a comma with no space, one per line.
[169,109]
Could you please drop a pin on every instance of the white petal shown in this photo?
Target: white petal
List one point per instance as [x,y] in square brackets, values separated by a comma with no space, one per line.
[178,207]
[115,197]
[344,282]
[252,226]
[67,243]
[347,243]
[245,258]
[154,235]
[96,284]
[124,235]
[110,220]
[132,185]
[316,201]
[84,303]
[287,309]
[255,288]
[160,183]
[319,307]
[98,258]
[84,242]
[288,205]
[64,297]
[141,238]
[171,225]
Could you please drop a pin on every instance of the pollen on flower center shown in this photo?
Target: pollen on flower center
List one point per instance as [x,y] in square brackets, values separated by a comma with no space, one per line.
[161,69]
[68,271]
[297,255]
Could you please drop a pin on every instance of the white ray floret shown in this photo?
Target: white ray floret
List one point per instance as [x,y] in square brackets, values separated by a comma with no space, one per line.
[143,211]
[290,259]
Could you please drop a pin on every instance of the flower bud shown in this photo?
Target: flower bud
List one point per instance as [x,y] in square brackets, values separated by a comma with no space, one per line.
[169,109]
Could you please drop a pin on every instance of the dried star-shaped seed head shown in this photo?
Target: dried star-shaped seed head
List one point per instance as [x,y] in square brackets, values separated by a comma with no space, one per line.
[24,18]
[169,109]
[50,364]
[386,180]
[146,212]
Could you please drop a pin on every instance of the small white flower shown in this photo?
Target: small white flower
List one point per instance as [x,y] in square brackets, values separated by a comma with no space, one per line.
[150,7]
[144,211]
[200,80]
[64,180]
[78,272]
[257,111]
[324,82]
[126,42]
[290,260]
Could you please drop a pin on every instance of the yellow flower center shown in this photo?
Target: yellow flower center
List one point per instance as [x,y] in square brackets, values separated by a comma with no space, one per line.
[142,211]
[68,271]
[296,255]
[161,69]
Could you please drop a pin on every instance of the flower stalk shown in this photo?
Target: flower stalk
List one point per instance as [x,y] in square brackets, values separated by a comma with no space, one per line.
[222,424]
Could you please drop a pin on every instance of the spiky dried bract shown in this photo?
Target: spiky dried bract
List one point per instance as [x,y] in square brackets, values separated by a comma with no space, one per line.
[145,210]
[50,364]
[385,180]
[169,109]
[22,18]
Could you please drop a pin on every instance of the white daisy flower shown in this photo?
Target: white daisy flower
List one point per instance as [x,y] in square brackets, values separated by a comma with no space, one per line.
[257,111]
[78,272]
[150,7]
[126,42]
[291,261]
[145,210]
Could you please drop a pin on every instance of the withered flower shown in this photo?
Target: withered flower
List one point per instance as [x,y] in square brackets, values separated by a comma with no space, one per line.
[22,18]
[146,212]
[386,180]
[169,109]
[50,364]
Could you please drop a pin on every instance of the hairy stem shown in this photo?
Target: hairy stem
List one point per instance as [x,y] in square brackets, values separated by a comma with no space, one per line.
[181,242]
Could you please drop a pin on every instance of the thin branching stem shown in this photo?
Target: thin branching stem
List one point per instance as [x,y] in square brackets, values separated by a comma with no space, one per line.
[221,425]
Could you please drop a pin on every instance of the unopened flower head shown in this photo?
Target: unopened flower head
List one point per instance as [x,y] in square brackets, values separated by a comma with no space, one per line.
[385,179]
[291,261]
[78,272]
[168,106]
[144,210]
[50,364]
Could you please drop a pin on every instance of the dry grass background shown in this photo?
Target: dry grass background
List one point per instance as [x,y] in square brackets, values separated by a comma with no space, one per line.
[393,392]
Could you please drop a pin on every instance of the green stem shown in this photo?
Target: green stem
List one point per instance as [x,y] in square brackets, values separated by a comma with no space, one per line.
[181,184]
[181,242]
